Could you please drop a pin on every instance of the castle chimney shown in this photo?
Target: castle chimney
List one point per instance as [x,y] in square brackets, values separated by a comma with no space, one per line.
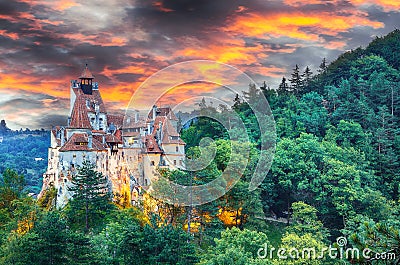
[136,116]
[90,141]
[159,132]
[154,112]
[62,136]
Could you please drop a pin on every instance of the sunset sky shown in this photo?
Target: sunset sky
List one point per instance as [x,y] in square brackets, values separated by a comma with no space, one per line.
[44,43]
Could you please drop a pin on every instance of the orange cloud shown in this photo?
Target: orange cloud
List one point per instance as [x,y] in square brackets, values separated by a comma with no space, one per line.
[159,6]
[387,5]
[59,5]
[102,39]
[29,83]
[11,35]
[297,25]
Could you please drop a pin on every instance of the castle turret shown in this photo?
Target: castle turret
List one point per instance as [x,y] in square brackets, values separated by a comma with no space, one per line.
[86,80]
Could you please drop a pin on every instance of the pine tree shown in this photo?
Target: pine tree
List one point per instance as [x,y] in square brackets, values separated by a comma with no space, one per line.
[91,200]
[307,76]
[283,86]
[296,80]
[252,94]
[322,67]
[237,102]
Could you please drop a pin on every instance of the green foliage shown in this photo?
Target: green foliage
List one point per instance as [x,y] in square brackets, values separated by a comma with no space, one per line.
[19,150]
[379,236]
[236,247]
[11,187]
[91,198]
[48,199]
[304,249]
[126,241]
[49,242]
[305,220]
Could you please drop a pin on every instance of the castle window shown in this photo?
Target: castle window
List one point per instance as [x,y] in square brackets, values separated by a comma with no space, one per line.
[152,163]
[177,149]
[175,162]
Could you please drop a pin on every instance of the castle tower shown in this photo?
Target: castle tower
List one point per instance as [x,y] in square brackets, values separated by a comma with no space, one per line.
[86,80]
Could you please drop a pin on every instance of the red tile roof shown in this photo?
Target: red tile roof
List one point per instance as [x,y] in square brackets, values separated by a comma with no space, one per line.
[131,134]
[163,112]
[98,137]
[98,132]
[118,134]
[170,135]
[83,104]
[168,131]
[86,73]
[79,116]
[116,119]
[79,142]
[151,144]
[112,139]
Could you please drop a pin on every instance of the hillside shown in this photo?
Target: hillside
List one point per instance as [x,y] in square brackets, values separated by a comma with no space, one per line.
[26,152]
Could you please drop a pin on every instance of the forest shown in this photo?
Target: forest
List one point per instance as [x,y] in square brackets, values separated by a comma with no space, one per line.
[25,151]
[335,175]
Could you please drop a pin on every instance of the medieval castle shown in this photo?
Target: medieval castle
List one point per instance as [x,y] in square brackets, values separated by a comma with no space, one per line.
[126,149]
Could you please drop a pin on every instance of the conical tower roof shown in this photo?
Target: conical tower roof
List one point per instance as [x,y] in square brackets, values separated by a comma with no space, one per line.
[86,74]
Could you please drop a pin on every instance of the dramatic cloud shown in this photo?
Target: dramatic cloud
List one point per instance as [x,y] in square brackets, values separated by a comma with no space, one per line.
[45,44]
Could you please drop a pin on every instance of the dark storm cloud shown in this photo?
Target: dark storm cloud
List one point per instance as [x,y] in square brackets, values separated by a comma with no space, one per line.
[182,17]
[10,7]
[20,103]
[127,78]
[34,111]
[50,120]
[36,101]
